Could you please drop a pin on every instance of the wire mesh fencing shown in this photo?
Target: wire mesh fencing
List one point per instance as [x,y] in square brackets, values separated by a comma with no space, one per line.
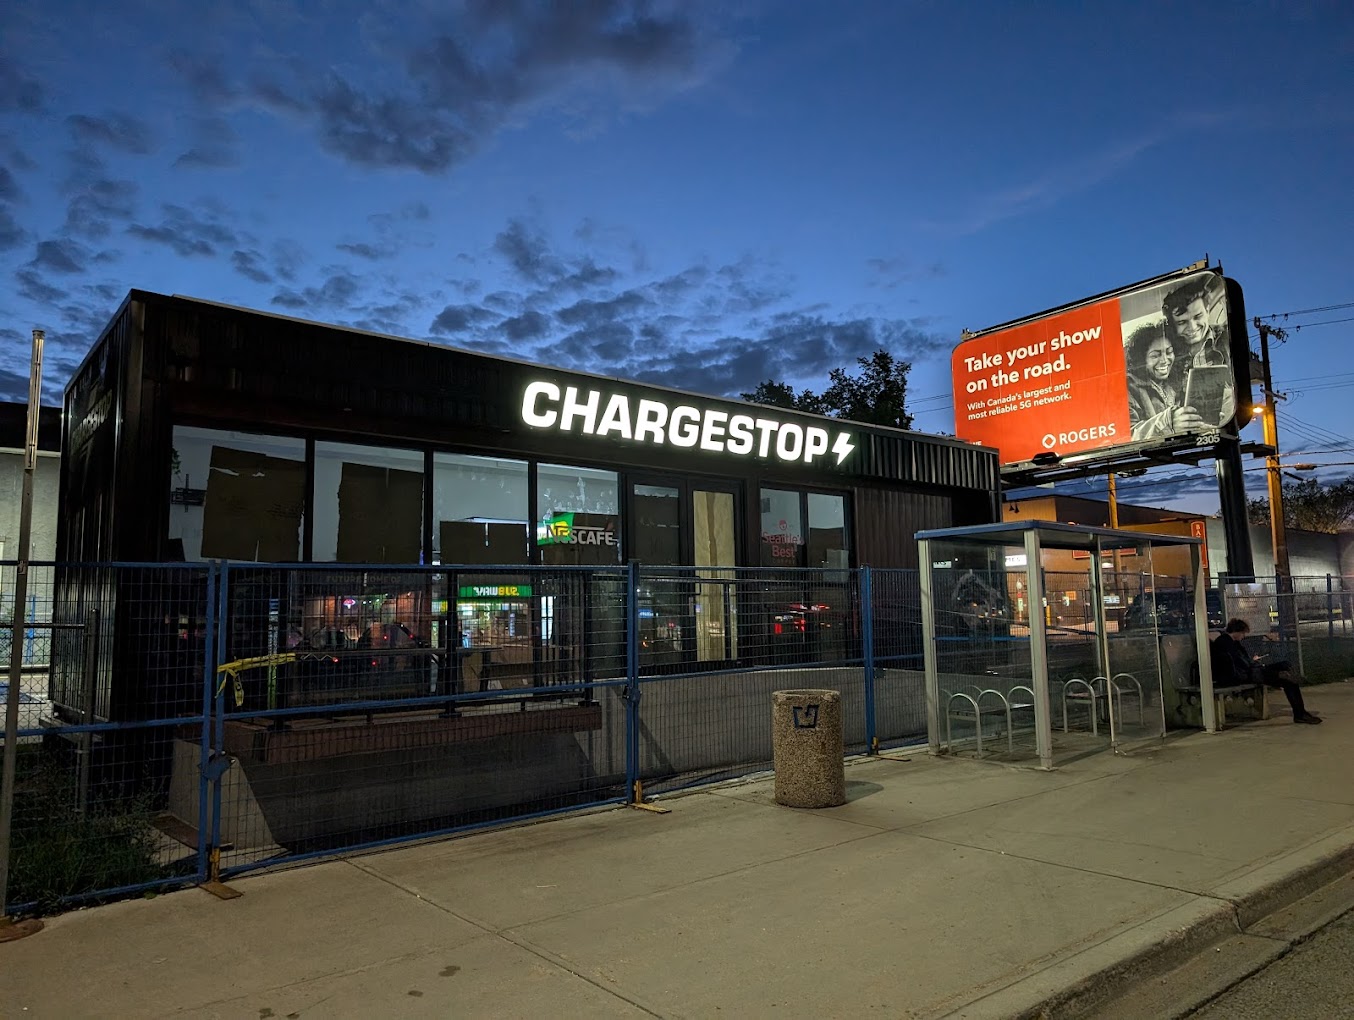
[714,644]
[185,722]
[362,706]
[104,721]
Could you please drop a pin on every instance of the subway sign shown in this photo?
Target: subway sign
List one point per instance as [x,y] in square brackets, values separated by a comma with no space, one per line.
[494,591]
[651,422]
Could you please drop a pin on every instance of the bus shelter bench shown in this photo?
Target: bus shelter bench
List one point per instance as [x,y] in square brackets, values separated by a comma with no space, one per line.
[1189,699]
[972,703]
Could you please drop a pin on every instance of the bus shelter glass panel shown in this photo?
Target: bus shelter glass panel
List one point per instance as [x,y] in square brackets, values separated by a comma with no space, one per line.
[981,649]
[1133,653]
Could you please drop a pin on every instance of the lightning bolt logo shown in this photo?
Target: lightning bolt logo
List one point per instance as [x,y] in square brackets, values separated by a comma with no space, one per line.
[843,447]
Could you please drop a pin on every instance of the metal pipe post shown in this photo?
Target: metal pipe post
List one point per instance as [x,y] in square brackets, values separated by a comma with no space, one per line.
[632,681]
[12,693]
[867,642]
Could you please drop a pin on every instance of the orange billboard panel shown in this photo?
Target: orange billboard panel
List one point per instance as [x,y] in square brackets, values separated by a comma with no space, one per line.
[1146,366]
[1055,385]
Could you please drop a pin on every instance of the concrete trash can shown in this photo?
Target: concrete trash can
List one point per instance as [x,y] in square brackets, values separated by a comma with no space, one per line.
[806,746]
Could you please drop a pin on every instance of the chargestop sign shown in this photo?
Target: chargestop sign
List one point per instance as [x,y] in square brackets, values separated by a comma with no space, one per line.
[1054,385]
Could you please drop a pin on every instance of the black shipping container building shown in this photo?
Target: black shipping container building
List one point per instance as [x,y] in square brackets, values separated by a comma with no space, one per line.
[197,431]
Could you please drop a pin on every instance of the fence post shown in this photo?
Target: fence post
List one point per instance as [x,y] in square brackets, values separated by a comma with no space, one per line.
[87,699]
[208,700]
[867,639]
[218,766]
[1330,609]
[634,791]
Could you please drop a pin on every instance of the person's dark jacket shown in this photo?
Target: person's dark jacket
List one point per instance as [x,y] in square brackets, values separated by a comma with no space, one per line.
[1231,662]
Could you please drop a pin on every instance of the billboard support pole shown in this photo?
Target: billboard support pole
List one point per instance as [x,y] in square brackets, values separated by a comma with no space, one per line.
[1232,499]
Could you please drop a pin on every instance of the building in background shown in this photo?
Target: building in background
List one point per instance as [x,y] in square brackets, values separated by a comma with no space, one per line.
[47,479]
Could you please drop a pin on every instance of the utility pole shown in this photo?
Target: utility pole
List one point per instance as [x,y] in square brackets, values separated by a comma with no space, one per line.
[1283,582]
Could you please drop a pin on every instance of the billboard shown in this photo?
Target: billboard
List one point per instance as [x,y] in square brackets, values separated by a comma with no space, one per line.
[1151,365]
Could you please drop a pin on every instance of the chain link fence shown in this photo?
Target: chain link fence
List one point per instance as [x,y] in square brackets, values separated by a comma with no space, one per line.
[186,722]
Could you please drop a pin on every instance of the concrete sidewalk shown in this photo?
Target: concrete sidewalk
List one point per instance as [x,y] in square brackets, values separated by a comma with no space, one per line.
[943,887]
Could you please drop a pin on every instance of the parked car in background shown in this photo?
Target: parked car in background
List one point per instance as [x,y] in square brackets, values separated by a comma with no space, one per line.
[1170,611]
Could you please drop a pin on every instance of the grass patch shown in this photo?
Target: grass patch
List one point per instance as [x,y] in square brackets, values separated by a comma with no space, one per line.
[59,851]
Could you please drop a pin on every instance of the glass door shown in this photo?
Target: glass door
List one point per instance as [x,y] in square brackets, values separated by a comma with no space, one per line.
[714,528]
[686,615]
[657,518]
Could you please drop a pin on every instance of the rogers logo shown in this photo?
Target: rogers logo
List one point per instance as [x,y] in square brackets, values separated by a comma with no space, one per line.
[1079,435]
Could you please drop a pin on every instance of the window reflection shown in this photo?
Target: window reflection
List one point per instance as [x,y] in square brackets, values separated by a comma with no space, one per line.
[368,504]
[480,510]
[236,496]
[578,515]
[782,541]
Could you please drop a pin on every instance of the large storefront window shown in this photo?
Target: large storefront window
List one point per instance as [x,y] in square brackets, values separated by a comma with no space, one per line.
[827,531]
[236,496]
[782,541]
[480,510]
[578,515]
[807,614]
[368,504]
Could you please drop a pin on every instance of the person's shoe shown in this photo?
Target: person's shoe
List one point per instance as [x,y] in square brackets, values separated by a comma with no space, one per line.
[1308,718]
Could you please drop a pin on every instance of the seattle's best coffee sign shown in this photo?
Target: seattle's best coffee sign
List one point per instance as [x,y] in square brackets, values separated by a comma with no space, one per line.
[652,422]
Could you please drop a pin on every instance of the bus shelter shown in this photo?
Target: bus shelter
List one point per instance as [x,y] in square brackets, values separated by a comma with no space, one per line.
[1045,641]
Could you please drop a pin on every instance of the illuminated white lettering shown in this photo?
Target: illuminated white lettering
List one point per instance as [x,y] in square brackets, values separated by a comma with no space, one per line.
[616,417]
[539,419]
[683,426]
[642,420]
[785,449]
[815,443]
[650,420]
[740,434]
[573,409]
[766,427]
[712,430]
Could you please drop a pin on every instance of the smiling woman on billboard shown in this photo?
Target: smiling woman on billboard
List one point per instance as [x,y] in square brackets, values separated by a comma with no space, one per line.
[1156,388]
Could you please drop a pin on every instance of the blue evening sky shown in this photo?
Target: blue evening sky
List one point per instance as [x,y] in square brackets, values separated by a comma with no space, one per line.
[698,195]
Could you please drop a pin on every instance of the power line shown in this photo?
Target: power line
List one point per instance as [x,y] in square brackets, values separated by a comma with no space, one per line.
[1322,322]
[1308,311]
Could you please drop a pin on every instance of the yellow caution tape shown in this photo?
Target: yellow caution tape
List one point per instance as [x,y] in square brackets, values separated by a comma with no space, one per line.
[234,669]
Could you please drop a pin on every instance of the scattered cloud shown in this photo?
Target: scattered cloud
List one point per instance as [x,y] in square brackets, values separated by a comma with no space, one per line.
[363,250]
[19,91]
[62,256]
[35,288]
[9,187]
[478,68]
[250,265]
[334,296]
[118,131]
[894,271]
[717,329]
[186,232]
[12,235]
[215,146]
[95,206]
[454,320]
[205,76]
[532,325]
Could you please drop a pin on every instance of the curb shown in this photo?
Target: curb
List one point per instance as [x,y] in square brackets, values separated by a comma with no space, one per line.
[1110,970]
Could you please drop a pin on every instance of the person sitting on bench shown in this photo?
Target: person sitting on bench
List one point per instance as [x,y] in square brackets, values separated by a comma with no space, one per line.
[1233,666]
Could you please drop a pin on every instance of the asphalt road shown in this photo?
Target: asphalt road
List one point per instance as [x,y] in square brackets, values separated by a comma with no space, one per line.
[1315,980]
